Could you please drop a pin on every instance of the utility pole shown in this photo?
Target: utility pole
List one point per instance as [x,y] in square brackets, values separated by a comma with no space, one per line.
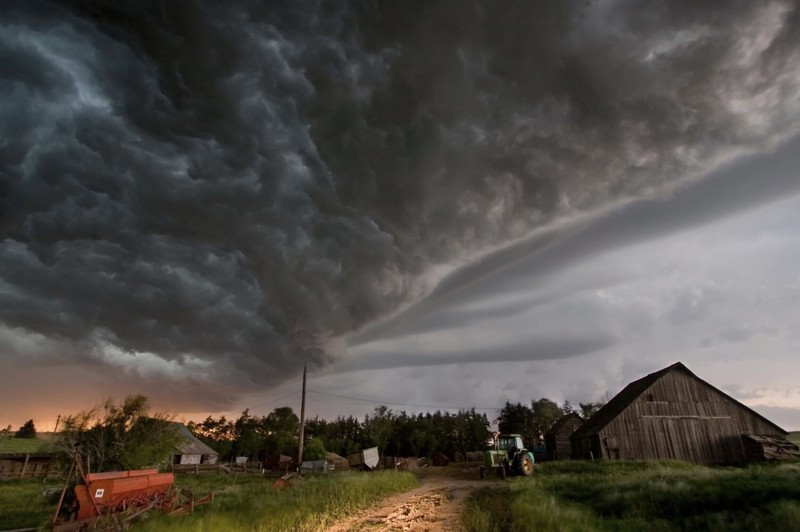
[302,422]
[55,434]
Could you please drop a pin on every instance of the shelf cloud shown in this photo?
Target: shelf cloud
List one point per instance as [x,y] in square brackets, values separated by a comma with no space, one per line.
[219,191]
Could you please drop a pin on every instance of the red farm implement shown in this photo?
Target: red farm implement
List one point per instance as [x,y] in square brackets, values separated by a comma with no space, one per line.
[107,501]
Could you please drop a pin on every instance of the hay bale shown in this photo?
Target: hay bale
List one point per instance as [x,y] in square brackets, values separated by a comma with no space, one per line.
[440,460]
[474,456]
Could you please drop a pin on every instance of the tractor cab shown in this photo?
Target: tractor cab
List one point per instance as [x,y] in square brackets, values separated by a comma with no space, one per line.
[510,443]
[508,457]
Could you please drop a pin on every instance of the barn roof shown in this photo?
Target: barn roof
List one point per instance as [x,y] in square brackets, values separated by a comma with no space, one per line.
[189,443]
[623,399]
[561,422]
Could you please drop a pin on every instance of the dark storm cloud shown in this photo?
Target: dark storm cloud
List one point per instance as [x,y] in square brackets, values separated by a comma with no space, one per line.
[244,183]
[458,299]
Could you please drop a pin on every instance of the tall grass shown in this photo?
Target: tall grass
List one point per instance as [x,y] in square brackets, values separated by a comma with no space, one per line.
[241,503]
[641,496]
[23,505]
[312,505]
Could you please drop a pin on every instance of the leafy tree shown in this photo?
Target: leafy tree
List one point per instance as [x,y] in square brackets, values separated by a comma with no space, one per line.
[281,442]
[379,428]
[314,450]
[545,414]
[249,436]
[518,419]
[283,419]
[28,430]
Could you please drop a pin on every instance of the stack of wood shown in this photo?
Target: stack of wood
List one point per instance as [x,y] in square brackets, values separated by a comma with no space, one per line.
[764,447]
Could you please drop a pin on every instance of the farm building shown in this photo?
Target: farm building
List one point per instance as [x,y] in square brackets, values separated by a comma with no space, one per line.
[557,441]
[192,451]
[673,414]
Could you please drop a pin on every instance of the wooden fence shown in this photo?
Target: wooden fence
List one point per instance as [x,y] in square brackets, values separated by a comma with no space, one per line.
[27,465]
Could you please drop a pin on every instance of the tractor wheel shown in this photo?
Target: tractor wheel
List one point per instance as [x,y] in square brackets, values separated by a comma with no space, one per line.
[501,472]
[483,472]
[527,466]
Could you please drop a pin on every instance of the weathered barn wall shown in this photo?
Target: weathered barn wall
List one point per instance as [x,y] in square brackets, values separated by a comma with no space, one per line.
[681,417]
[189,459]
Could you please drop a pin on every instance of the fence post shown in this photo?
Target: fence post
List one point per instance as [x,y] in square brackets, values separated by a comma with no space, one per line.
[24,466]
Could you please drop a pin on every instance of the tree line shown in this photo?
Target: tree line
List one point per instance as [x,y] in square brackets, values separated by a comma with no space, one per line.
[125,436]
[393,433]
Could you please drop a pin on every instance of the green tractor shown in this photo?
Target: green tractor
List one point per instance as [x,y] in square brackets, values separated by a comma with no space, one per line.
[509,457]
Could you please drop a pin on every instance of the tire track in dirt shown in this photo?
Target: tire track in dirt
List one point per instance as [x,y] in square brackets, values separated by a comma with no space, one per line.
[432,507]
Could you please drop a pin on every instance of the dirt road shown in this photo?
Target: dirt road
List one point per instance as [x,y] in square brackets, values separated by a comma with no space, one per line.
[433,507]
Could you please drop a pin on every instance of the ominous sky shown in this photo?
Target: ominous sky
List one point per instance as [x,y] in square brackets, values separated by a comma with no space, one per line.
[441,203]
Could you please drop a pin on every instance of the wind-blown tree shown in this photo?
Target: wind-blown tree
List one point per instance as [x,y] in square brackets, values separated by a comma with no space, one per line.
[590,409]
[219,434]
[114,437]
[27,430]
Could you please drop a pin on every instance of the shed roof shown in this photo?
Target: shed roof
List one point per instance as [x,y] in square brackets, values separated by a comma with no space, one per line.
[563,421]
[623,399]
[189,443]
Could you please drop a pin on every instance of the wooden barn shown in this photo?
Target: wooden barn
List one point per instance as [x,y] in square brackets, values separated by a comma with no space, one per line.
[557,440]
[673,414]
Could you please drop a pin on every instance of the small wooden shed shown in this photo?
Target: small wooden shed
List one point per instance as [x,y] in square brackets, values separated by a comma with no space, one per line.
[190,450]
[338,463]
[673,414]
[557,440]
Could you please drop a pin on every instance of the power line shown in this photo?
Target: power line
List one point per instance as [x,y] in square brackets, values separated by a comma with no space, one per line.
[274,400]
[387,403]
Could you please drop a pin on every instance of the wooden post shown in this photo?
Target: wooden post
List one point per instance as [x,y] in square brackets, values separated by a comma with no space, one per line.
[302,421]
[24,466]
[6,432]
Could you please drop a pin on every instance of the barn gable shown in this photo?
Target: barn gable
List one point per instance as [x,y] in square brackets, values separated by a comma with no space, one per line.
[557,440]
[671,414]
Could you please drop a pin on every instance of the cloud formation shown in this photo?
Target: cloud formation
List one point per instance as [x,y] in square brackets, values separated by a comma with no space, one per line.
[224,189]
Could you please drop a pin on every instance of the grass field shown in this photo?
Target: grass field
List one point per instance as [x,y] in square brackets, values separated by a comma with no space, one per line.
[794,437]
[244,502]
[24,445]
[641,496]
[22,504]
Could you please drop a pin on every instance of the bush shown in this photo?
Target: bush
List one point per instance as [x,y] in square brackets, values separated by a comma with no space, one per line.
[314,450]
[28,430]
